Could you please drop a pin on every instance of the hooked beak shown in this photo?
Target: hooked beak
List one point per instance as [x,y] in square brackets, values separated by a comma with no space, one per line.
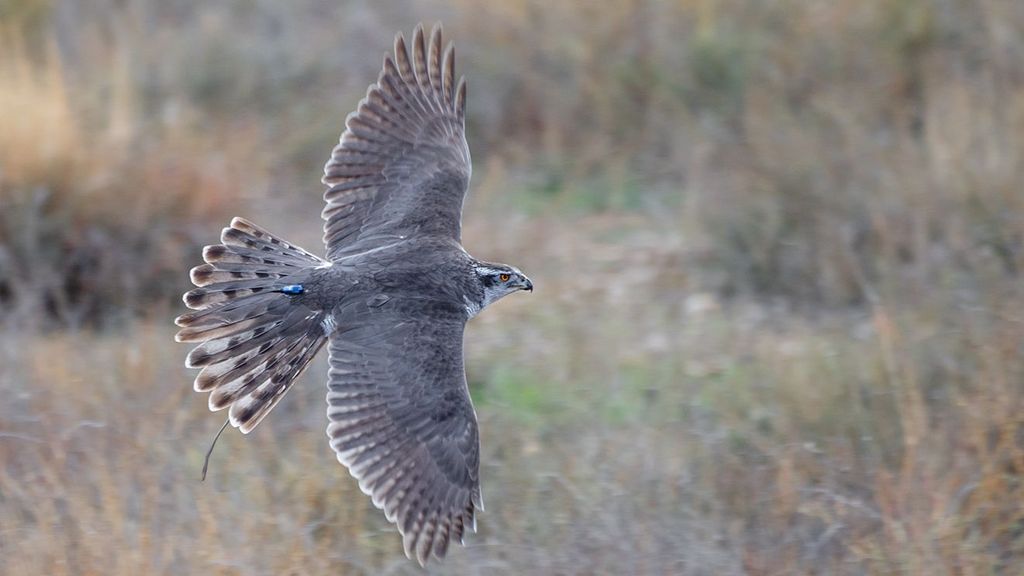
[528,285]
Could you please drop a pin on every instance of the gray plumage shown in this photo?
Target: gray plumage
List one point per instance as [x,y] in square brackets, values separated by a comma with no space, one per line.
[392,299]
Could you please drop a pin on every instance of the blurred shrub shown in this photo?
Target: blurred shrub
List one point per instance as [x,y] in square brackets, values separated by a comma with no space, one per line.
[98,209]
[28,16]
[719,75]
[819,149]
[875,144]
[810,152]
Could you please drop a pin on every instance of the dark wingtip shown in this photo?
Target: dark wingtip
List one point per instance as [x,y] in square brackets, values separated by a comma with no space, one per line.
[194,298]
[435,36]
[417,35]
[197,358]
[460,98]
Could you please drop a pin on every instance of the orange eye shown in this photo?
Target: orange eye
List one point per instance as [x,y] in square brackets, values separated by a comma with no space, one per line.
[503,277]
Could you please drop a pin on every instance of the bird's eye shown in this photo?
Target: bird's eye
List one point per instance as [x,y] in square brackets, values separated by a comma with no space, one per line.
[503,277]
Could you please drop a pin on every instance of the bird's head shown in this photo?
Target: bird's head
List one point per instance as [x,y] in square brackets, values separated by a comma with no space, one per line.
[498,280]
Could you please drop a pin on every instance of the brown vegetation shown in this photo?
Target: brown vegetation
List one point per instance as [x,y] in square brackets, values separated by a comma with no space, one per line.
[777,246]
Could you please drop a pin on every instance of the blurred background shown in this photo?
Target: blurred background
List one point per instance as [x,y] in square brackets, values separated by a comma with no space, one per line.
[778,249]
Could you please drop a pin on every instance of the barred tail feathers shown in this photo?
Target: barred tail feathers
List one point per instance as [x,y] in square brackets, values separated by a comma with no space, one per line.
[254,337]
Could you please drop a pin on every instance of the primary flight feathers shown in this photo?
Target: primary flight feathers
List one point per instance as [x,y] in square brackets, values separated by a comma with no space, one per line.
[402,165]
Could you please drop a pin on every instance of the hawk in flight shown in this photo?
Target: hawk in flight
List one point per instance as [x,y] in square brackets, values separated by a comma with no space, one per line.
[390,300]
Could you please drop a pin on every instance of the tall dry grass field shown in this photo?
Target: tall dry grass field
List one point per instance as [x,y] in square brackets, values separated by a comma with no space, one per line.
[778,250]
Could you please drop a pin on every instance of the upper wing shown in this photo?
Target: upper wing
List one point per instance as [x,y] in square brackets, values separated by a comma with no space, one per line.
[402,166]
[401,418]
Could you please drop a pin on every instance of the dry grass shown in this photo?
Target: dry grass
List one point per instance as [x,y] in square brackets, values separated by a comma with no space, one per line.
[704,438]
[100,207]
[778,250]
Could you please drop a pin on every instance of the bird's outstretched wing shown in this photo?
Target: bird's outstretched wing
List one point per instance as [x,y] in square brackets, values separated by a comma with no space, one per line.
[402,165]
[401,419]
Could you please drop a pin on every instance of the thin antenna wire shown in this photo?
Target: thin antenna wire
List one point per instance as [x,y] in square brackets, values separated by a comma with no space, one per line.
[206,462]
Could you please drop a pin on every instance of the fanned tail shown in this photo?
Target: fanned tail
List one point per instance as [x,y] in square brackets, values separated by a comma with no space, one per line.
[256,335]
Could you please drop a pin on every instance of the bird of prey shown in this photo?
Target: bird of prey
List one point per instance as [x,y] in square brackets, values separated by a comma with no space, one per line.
[390,300]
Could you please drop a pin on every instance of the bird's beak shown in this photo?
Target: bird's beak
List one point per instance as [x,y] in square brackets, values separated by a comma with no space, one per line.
[528,285]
